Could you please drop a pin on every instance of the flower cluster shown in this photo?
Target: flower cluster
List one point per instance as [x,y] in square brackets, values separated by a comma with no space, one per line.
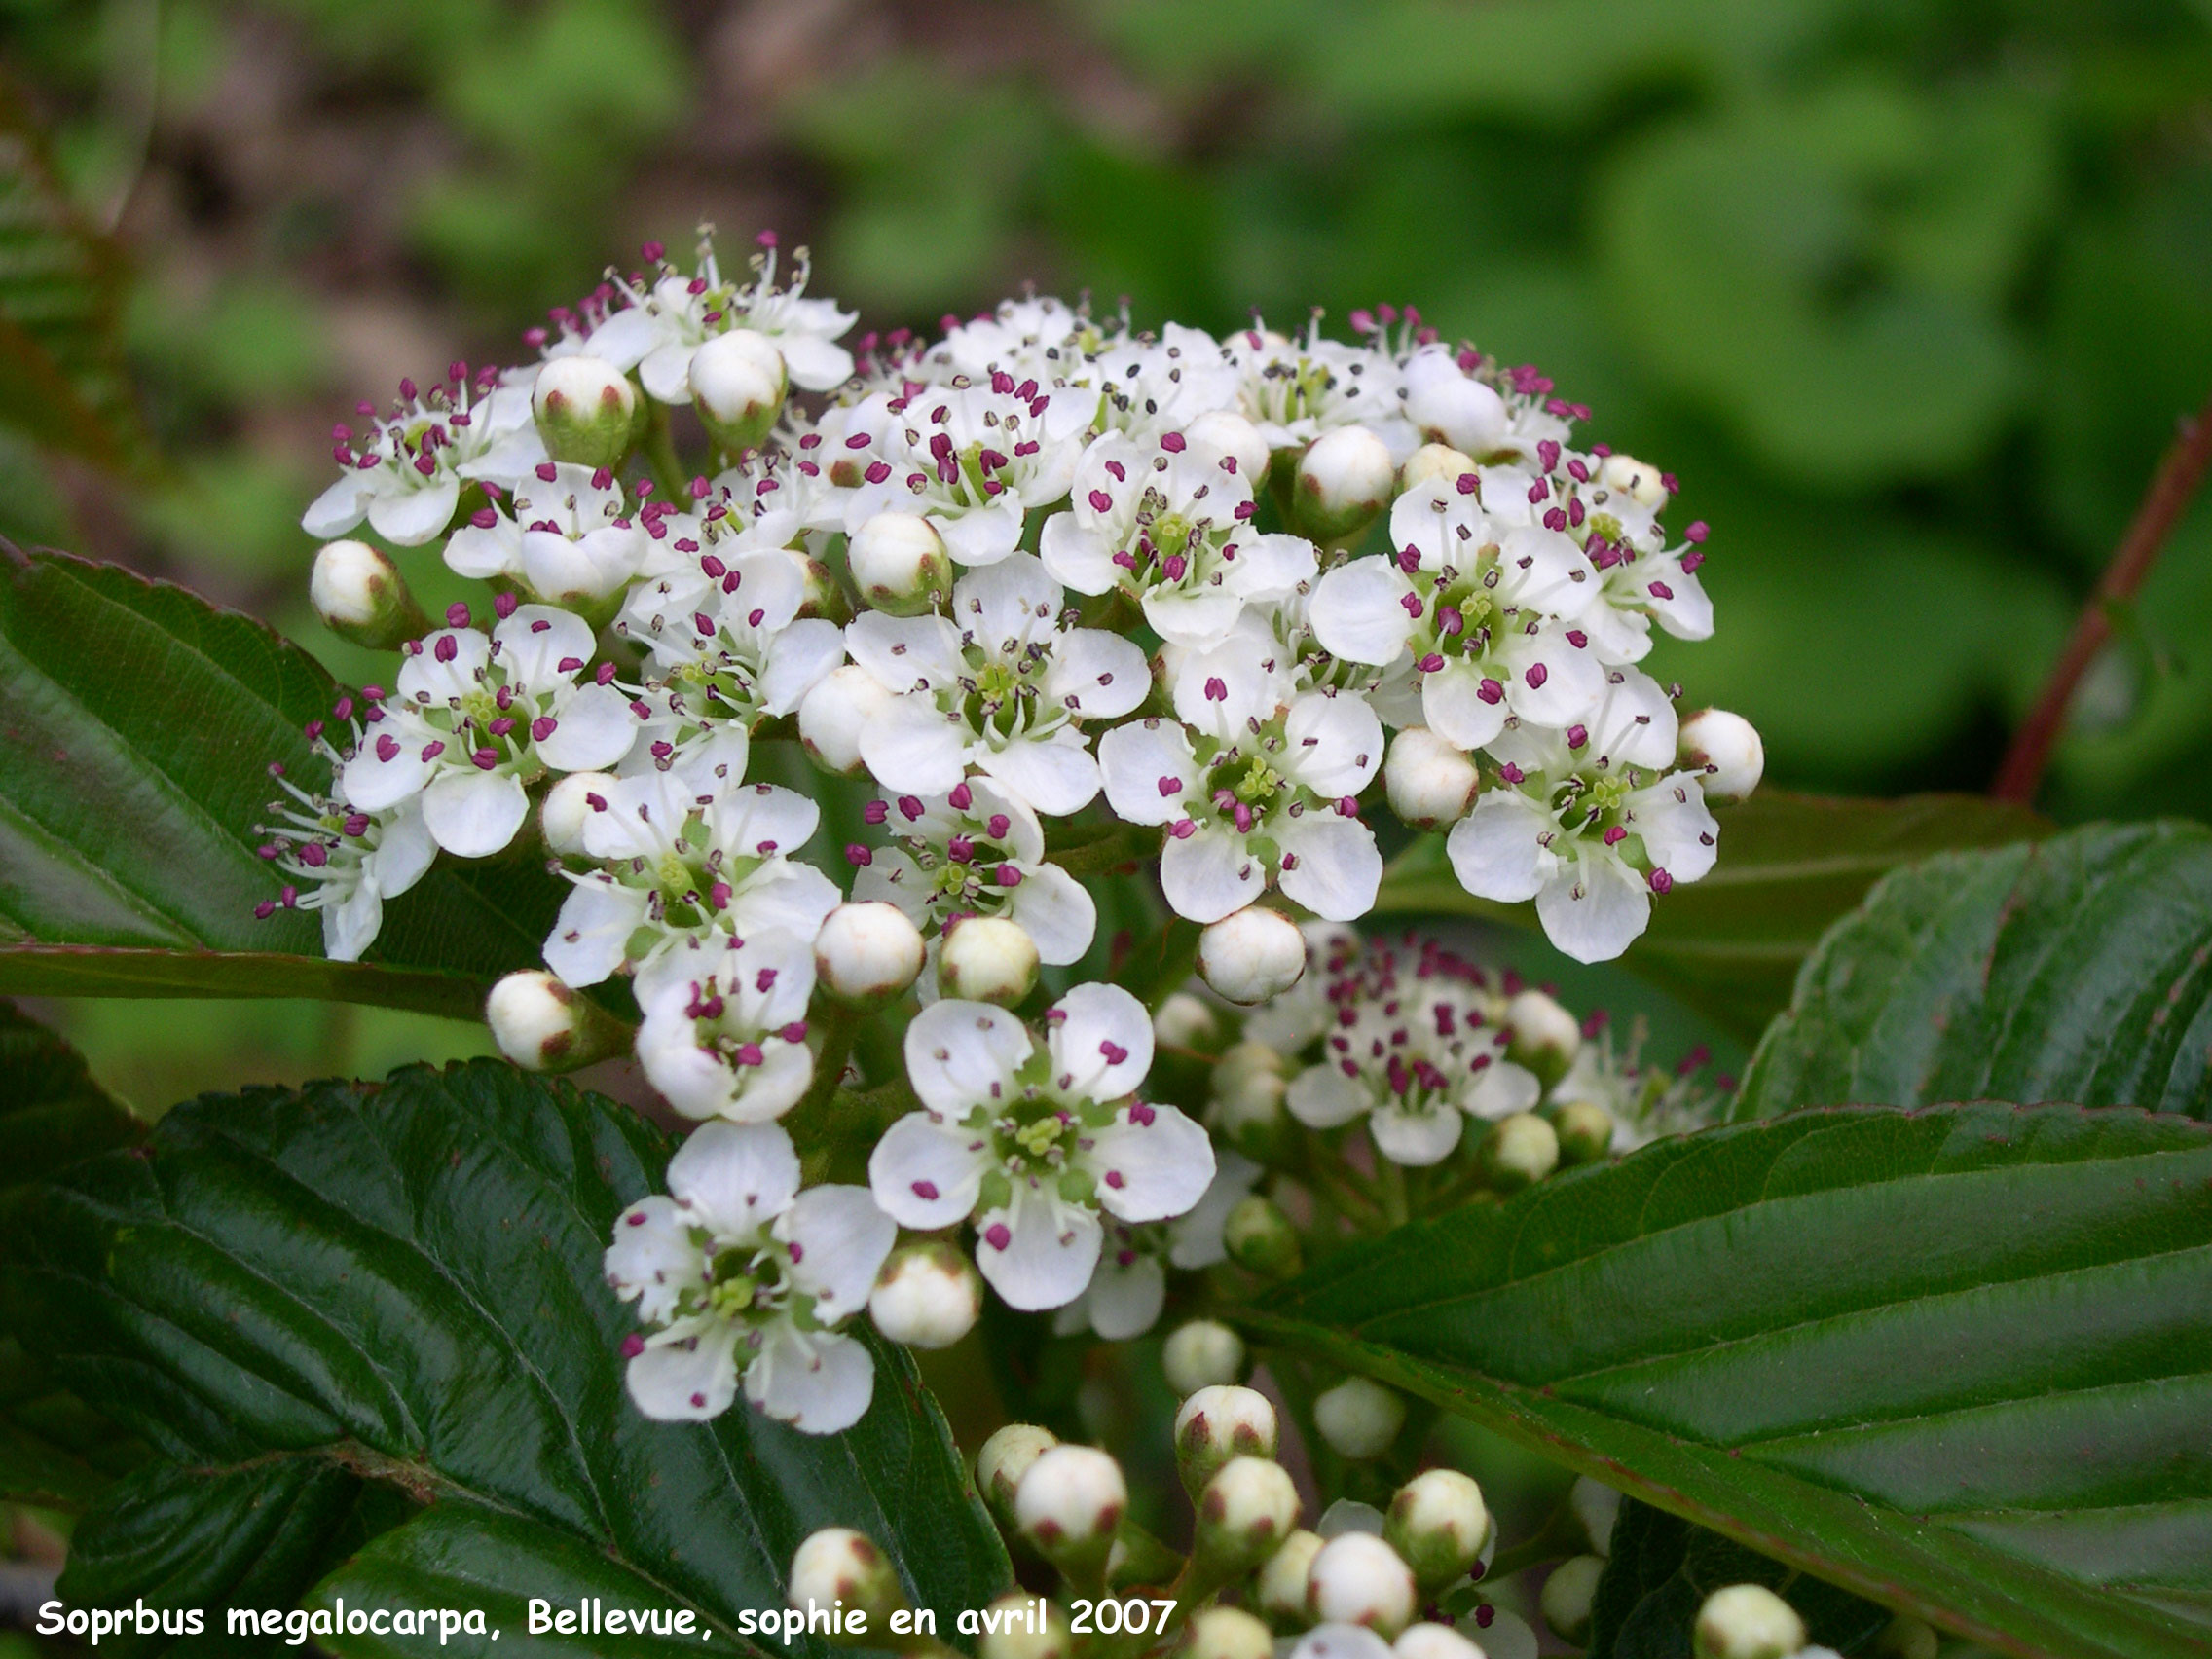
[1077,599]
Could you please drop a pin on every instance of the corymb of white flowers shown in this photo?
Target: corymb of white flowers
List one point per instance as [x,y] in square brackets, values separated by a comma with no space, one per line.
[1094,611]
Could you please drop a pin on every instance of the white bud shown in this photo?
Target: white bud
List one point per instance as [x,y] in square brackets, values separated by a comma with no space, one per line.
[1907,1637]
[1281,1588]
[1226,1633]
[1426,1641]
[1245,1512]
[1004,1459]
[1219,1423]
[987,959]
[568,806]
[1203,1353]
[1184,1022]
[1520,1151]
[1359,1417]
[1568,1594]
[360,596]
[542,1025]
[1727,751]
[836,710]
[1748,1621]
[1585,1131]
[1435,464]
[868,952]
[900,564]
[586,409]
[1430,782]
[1597,1507]
[1227,432]
[1024,1628]
[1245,1068]
[1438,1524]
[1340,1642]
[1252,955]
[737,386]
[927,1296]
[1069,1503]
[1344,480]
[1451,406]
[1545,1036]
[1358,1579]
[1634,479]
[839,1564]
[1350,1515]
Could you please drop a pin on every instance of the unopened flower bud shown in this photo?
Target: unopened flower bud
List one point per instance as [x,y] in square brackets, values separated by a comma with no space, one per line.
[928,1295]
[1426,1641]
[1907,1638]
[1597,1507]
[737,387]
[1430,782]
[1358,1579]
[1748,1621]
[1252,955]
[1252,1118]
[1069,1504]
[1184,1022]
[1226,1633]
[1245,1512]
[1261,1238]
[1519,1152]
[1725,750]
[1642,484]
[868,952]
[1227,432]
[1568,1595]
[1220,1422]
[1449,406]
[1438,1524]
[1025,1627]
[836,710]
[360,596]
[1340,1642]
[900,564]
[987,959]
[839,1564]
[1359,1418]
[1545,1036]
[1344,478]
[822,594]
[586,410]
[543,1025]
[1585,1131]
[1280,1587]
[1432,464]
[1202,1355]
[1004,1459]
[568,807]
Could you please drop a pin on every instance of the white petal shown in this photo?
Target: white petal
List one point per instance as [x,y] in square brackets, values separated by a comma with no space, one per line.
[338,508]
[1679,830]
[1055,776]
[1049,1253]
[351,925]
[769,1090]
[697,1081]
[961,1054]
[594,729]
[1495,849]
[1124,1300]
[1573,681]
[474,814]
[980,536]
[1149,1171]
[624,337]
[1357,613]
[814,364]
[686,1381]
[1106,674]
[837,1239]
[597,920]
[786,895]
[819,1382]
[1322,1096]
[1335,743]
[912,749]
[1094,1023]
[1196,1234]
[1077,558]
[653,1257]
[1339,869]
[1501,1089]
[904,653]
[666,371]
[1594,908]
[1005,603]
[484,553]
[1417,1139]
[1453,705]
[1135,760]
[1211,874]
[374,782]
[412,517]
[805,651]
[1270,567]
[924,1174]
[537,639]
[1197,617]
[1054,909]
[735,1178]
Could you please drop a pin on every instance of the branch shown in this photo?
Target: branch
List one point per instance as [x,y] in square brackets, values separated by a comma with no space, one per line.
[2171,488]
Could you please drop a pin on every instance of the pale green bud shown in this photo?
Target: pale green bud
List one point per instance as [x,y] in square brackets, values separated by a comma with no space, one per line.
[1358,1579]
[737,386]
[1344,480]
[1251,955]
[1435,464]
[900,564]
[866,953]
[1748,1621]
[1585,1131]
[1261,1238]
[1568,1595]
[1220,1422]
[1545,1037]
[839,1564]
[542,1025]
[1004,1459]
[1726,753]
[586,411]
[1907,1637]
[987,959]
[1280,1589]
[1201,1354]
[1438,1524]
[928,1295]
[1226,1633]
[360,596]
[1359,1417]
[1520,1151]
[1245,1513]
[1069,1504]
[1027,1627]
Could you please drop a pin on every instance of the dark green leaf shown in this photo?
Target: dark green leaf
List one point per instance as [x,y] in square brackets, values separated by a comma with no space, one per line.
[1731,944]
[137,724]
[1955,1360]
[2079,968]
[1662,1568]
[404,1280]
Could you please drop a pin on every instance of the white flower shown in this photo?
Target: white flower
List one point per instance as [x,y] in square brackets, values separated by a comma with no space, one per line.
[1296,389]
[1589,845]
[1169,524]
[725,633]
[972,456]
[1001,686]
[1447,405]
[680,864]
[724,1029]
[1254,787]
[747,1275]
[662,327]
[349,860]
[1034,1141]
[407,474]
[1035,338]
[475,719]
[1151,385]
[975,851]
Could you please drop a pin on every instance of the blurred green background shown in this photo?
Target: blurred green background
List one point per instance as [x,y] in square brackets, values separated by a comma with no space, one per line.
[1909,294]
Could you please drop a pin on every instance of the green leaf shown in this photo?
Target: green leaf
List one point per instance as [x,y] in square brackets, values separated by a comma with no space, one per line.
[403,1281]
[137,724]
[1662,1568]
[2079,969]
[1731,944]
[1954,1360]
